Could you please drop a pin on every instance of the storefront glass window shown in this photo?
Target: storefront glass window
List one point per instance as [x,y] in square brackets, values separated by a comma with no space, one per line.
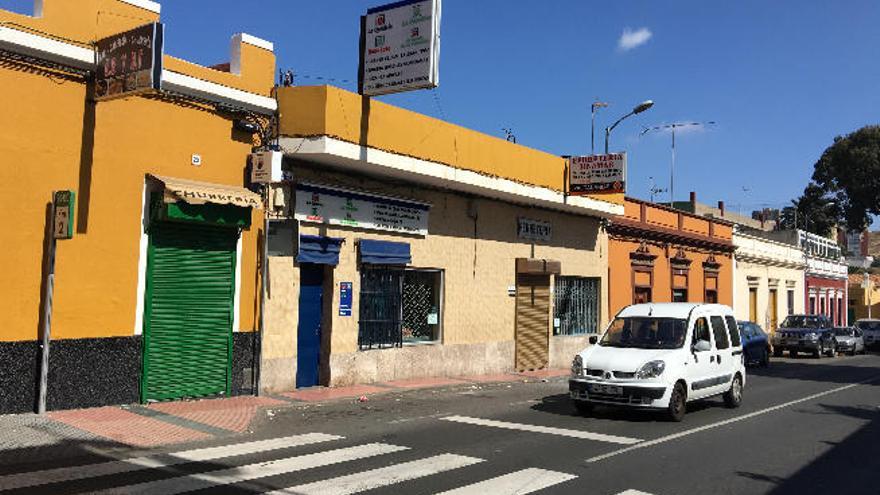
[575,305]
[399,306]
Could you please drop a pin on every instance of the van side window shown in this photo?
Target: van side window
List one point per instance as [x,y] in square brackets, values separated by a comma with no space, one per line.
[701,330]
[719,330]
[734,334]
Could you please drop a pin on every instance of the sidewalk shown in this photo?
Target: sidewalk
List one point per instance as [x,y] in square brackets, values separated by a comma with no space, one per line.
[167,423]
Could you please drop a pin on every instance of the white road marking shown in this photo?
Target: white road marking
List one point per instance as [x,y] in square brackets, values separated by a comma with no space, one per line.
[516,483]
[377,478]
[633,492]
[182,484]
[601,437]
[71,473]
[744,417]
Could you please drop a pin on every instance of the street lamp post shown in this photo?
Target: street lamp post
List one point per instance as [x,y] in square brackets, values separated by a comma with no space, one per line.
[672,127]
[641,107]
[596,105]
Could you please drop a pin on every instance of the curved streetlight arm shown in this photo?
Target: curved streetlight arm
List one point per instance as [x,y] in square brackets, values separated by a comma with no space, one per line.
[612,126]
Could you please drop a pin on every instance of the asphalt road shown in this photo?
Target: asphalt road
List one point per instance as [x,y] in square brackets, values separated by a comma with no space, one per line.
[806,426]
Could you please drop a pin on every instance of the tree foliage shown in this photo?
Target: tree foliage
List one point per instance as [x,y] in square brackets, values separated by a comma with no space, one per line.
[848,173]
[815,211]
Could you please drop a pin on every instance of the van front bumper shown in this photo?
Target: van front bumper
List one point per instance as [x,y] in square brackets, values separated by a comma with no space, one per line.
[619,394]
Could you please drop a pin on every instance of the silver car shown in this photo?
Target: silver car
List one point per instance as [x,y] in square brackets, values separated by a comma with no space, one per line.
[849,340]
[871,331]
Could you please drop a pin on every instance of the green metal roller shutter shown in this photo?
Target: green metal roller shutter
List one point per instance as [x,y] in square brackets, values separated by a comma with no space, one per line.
[189,311]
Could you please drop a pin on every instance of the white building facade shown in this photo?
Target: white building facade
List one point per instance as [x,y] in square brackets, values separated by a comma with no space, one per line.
[769,280]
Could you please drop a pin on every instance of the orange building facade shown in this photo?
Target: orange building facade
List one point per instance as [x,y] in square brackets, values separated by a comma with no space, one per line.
[659,254]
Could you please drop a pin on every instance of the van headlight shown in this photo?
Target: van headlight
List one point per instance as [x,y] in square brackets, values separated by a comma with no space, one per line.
[651,369]
[577,366]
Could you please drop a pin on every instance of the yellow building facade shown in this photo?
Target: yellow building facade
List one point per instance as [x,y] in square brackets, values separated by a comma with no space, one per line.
[122,157]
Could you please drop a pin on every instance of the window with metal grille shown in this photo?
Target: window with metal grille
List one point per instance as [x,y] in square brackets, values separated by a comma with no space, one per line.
[380,307]
[421,305]
[575,305]
[399,306]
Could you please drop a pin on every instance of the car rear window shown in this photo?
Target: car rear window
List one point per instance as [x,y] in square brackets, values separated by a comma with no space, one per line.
[719,329]
[732,329]
[869,325]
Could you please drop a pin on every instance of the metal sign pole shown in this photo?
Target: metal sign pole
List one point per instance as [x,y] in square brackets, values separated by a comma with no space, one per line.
[46,325]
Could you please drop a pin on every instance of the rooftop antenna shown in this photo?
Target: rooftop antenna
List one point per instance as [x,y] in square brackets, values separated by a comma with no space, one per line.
[654,190]
[509,132]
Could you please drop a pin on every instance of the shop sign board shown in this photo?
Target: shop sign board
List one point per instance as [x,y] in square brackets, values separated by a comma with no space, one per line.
[62,223]
[333,206]
[400,47]
[345,289]
[592,174]
[129,62]
[534,230]
[266,167]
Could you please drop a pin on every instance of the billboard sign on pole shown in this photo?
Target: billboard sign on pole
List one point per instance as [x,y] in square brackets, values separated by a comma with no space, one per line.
[129,62]
[400,47]
[597,174]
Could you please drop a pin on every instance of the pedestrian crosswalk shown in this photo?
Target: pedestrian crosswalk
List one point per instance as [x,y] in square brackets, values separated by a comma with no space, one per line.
[279,463]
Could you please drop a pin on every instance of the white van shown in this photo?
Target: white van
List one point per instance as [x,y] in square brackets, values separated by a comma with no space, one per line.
[662,356]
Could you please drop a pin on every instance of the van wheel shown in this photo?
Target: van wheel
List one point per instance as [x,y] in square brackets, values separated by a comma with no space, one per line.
[765,358]
[777,352]
[733,397]
[677,403]
[583,407]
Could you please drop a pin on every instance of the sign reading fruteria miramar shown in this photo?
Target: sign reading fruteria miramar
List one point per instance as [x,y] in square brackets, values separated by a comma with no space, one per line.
[332,206]
[593,174]
[129,62]
[400,47]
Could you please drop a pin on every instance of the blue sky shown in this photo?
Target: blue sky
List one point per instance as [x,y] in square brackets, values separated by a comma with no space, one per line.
[781,78]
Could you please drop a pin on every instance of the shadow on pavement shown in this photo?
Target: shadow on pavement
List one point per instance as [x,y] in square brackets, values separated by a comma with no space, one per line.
[841,370]
[83,456]
[851,466]
[562,405]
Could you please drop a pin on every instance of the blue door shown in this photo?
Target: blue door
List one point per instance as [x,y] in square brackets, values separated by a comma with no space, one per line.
[311,298]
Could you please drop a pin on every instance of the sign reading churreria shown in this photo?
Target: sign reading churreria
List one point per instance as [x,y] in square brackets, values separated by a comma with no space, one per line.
[129,62]
[597,174]
[400,47]
[329,205]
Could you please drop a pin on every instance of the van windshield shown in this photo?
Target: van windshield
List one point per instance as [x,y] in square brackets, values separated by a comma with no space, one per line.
[645,333]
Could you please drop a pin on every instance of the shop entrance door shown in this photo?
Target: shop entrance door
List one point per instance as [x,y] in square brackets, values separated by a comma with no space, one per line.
[532,321]
[311,303]
[774,311]
[188,311]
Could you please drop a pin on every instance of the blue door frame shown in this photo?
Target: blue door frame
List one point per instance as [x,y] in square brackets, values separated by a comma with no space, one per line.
[311,303]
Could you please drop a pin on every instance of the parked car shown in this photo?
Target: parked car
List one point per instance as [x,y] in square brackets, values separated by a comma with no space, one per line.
[849,340]
[805,333]
[756,344]
[870,332]
[661,356]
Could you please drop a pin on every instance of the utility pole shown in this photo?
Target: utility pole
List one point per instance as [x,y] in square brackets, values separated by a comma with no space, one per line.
[672,128]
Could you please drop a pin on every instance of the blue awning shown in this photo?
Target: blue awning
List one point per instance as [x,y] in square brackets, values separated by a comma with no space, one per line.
[318,249]
[385,252]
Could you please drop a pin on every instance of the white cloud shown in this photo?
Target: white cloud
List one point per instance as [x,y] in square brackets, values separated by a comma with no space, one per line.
[632,39]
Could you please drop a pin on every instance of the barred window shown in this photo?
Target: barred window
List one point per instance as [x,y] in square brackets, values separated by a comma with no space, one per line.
[575,305]
[399,306]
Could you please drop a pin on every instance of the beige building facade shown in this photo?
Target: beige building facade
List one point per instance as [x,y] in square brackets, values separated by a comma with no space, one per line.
[391,263]
[768,280]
